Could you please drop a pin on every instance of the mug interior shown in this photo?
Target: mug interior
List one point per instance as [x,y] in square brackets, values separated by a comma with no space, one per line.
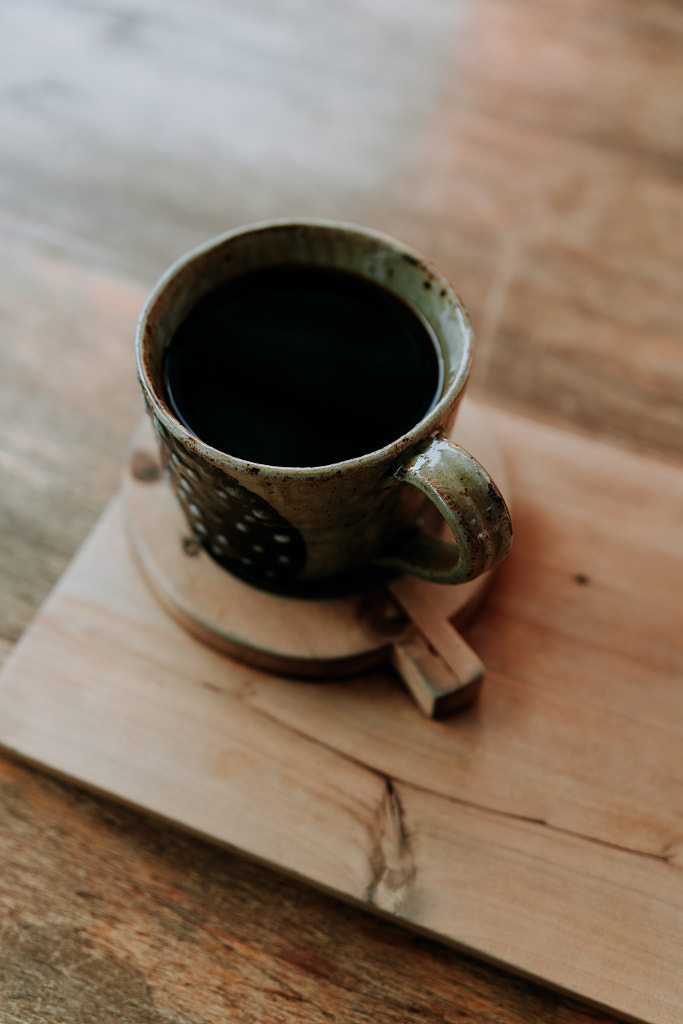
[322,244]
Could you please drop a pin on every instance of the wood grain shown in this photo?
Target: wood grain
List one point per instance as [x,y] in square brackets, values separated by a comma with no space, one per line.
[69,402]
[542,819]
[110,916]
[533,150]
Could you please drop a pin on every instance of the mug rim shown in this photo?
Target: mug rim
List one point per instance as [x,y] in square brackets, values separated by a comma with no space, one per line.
[419,431]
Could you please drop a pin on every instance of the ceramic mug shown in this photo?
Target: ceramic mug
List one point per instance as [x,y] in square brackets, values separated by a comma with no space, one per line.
[304,529]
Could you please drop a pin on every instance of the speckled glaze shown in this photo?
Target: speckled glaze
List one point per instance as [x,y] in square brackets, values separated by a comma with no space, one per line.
[288,528]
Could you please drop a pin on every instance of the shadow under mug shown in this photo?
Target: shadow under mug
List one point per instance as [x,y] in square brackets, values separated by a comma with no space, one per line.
[338,527]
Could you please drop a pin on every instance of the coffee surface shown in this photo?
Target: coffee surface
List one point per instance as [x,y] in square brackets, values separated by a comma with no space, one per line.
[301,366]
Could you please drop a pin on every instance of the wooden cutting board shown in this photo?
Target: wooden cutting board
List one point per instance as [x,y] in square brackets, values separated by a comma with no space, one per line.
[541,828]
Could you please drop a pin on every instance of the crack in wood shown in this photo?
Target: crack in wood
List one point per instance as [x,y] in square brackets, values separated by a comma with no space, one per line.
[666,858]
[391,857]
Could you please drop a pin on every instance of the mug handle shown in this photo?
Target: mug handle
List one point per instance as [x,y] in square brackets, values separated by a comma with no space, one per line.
[472,506]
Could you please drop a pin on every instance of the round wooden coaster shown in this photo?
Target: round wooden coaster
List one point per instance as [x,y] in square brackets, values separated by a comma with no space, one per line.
[303,637]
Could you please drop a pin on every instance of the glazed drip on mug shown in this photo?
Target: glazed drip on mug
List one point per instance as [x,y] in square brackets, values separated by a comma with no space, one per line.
[301,366]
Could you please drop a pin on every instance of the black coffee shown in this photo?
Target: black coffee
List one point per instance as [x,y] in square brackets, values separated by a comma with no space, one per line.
[301,366]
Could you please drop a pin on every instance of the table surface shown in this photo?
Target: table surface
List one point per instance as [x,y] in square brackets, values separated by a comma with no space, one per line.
[534,151]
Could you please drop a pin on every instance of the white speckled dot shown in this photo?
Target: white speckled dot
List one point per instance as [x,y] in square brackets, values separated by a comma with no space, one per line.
[235,491]
[242,527]
[284,559]
[247,561]
[260,514]
[221,538]
[249,519]
[200,528]
[281,538]
[184,484]
[195,509]
[191,473]
[258,548]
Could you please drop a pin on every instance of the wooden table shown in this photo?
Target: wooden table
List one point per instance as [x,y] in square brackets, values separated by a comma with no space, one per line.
[534,151]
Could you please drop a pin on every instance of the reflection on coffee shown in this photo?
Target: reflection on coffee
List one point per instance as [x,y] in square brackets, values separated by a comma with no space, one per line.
[301,366]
